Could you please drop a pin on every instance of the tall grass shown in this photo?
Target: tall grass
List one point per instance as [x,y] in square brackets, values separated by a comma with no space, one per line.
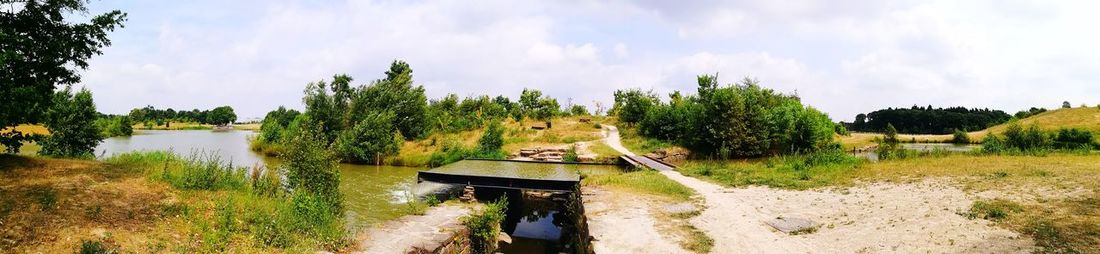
[251,204]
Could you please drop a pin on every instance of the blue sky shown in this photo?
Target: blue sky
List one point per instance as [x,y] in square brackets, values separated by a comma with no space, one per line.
[843,57]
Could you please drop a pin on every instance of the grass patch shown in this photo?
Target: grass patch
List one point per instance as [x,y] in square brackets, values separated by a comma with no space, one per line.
[791,172]
[645,181]
[697,241]
[994,210]
[224,210]
[638,144]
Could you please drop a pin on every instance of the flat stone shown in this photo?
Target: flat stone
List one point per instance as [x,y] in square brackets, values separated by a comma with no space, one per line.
[790,224]
[679,208]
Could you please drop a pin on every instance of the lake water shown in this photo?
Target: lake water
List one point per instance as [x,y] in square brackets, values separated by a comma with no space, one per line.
[373,194]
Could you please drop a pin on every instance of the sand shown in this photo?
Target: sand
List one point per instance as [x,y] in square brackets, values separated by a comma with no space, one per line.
[625,223]
[922,217]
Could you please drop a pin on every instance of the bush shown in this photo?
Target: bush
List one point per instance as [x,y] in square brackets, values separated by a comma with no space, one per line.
[960,137]
[632,105]
[485,227]
[493,139]
[1028,139]
[570,155]
[994,210]
[1074,139]
[115,126]
[95,247]
[311,169]
[370,140]
[71,123]
[992,144]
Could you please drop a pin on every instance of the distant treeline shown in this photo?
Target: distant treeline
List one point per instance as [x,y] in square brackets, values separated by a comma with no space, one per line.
[928,120]
[217,116]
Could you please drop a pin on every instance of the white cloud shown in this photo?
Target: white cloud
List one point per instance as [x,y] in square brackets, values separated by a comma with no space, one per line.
[843,57]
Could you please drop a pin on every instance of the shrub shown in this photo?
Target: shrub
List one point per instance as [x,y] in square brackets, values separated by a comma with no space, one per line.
[1028,139]
[632,105]
[485,227]
[992,144]
[493,139]
[95,247]
[960,137]
[1074,139]
[71,123]
[370,140]
[570,155]
[994,210]
[311,169]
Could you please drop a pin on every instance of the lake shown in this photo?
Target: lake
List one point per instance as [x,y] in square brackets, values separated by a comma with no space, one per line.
[372,194]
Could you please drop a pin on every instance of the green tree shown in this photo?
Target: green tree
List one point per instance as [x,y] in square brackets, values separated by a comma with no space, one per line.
[222,115]
[493,139]
[71,121]
[310,167]
[1065,104]
[960,137]
[275,123]
[371,139]
[632,105]
[40,50]
[578,110]
[397,94]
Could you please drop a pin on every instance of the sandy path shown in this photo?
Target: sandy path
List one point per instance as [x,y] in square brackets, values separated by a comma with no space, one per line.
[624,223]
[412,232]
[906,218]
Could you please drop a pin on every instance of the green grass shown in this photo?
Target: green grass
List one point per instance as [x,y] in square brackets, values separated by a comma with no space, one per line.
[791,172]
[646,181]
[994,210]
[638,144]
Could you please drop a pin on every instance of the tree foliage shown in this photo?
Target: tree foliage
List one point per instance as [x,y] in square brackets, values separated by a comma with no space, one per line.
[631,106]
[928,120]
[370,140]
[222,116]
[114,126]
[71,121]
[40,50]
[310,167]
[738,120]
[493,139]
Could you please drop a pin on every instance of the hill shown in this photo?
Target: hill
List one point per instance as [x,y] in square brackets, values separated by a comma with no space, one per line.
[1081,118]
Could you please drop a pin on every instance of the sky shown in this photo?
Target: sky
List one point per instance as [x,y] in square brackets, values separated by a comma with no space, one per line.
[842,57]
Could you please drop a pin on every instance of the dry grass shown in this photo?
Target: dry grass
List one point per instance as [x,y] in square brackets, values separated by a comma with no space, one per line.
[247,126]
[1057,193]
[51,205]
[28,129]
[517,135]
[1082,118]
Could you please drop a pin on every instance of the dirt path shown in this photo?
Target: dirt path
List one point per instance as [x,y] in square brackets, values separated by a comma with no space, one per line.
[625,223]
[423,232]
[908,218]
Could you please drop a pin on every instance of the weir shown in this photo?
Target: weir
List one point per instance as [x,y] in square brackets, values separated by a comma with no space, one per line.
[506,174]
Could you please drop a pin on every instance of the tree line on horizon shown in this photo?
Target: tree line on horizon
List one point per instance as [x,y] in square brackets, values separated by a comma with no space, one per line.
[928,120]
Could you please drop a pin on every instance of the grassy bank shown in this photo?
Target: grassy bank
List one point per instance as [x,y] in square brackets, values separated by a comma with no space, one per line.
[174,126]
[1050,198]
[155,202]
